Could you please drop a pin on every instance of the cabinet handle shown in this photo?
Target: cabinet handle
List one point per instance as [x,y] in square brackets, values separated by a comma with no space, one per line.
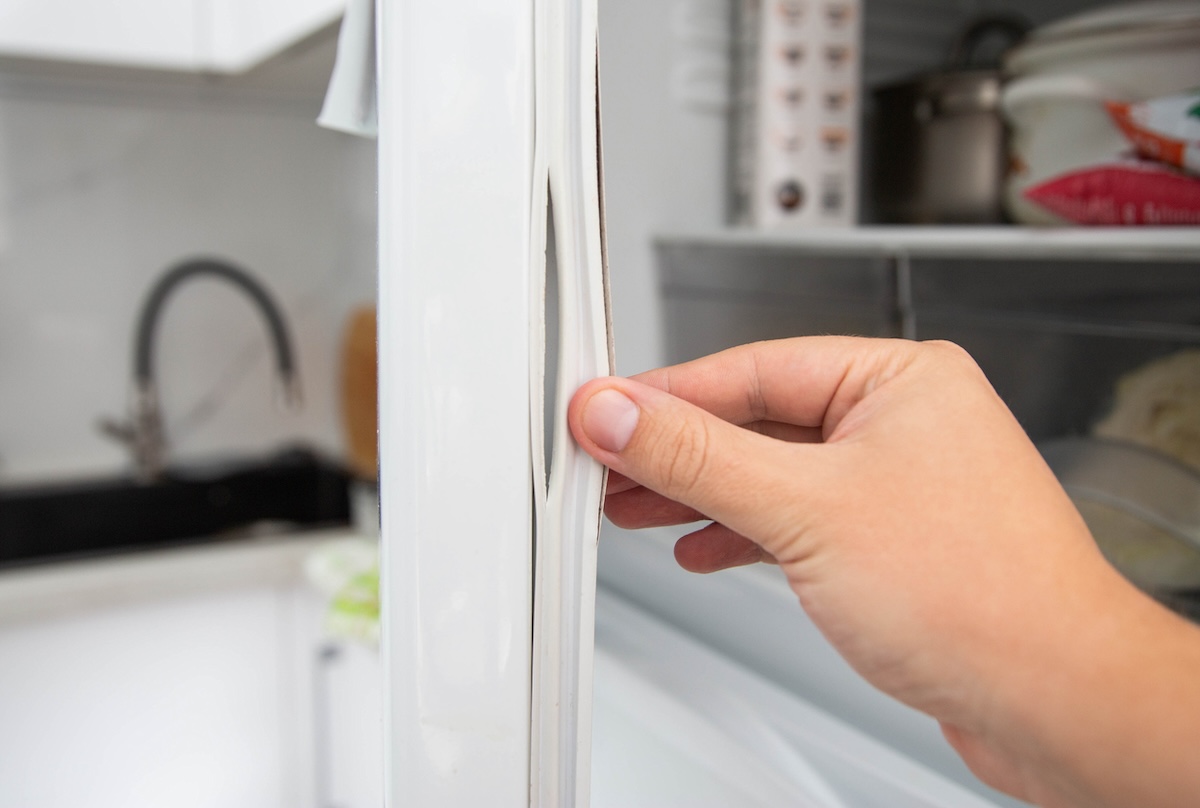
[327,655]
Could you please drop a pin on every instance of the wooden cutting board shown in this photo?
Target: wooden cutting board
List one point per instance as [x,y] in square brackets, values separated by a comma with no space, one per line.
[359,394]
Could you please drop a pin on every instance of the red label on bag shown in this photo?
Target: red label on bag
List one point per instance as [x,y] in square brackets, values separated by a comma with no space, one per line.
[1130,193]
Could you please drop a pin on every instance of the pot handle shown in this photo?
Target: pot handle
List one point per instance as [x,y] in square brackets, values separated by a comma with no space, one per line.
[1010,26]
[1019,94]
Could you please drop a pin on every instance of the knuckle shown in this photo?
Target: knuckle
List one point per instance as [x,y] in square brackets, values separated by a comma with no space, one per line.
[687,461]
[947,351]
[953,356]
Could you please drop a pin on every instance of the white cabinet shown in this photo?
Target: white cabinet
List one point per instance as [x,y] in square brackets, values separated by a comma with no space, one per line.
[349,743]
[223,36]
[145,33]
[203,700]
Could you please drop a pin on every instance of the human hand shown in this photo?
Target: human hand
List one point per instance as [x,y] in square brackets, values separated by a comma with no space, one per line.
[916,523]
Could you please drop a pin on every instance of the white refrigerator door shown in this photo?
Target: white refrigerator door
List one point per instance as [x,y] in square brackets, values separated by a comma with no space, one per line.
[455,118]
[483,105]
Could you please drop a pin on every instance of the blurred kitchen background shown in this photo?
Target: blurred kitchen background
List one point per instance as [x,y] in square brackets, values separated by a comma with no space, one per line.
[108,182]
[233,665]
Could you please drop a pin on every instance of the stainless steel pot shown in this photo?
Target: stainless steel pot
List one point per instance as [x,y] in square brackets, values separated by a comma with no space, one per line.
[938,139]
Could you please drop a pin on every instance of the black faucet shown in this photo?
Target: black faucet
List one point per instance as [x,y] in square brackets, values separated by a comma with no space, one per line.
[143,433]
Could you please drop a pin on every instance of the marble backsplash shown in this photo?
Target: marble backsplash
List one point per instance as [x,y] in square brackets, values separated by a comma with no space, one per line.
[99,194]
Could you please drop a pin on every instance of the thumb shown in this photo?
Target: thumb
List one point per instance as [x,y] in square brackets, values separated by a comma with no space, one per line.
[731,475]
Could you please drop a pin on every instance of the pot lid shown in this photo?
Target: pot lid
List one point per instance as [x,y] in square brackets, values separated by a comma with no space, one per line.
[1152,24]
[1121,17]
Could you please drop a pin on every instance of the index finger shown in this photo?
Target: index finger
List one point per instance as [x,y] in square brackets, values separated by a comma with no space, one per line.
[807,381]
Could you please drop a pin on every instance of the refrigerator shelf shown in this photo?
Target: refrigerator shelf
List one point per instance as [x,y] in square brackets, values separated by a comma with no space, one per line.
[999,242]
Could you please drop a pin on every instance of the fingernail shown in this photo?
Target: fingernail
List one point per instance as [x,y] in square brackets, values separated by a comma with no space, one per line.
[609,419]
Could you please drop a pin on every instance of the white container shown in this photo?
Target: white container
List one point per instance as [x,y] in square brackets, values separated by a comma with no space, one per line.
[1063,73]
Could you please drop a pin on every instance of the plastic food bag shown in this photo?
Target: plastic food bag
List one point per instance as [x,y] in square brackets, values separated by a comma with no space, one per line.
[1165,129]
[1122,192]
[1158,406]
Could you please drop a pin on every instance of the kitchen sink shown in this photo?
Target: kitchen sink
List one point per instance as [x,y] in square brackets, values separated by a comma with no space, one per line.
[293,489]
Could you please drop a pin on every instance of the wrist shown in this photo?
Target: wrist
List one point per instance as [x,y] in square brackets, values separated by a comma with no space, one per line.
[1102,709]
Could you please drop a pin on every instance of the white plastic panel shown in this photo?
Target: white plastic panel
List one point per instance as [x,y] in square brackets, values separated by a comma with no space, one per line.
[455,168]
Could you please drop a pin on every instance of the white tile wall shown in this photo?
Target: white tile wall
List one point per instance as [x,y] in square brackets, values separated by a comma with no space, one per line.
[99,194]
